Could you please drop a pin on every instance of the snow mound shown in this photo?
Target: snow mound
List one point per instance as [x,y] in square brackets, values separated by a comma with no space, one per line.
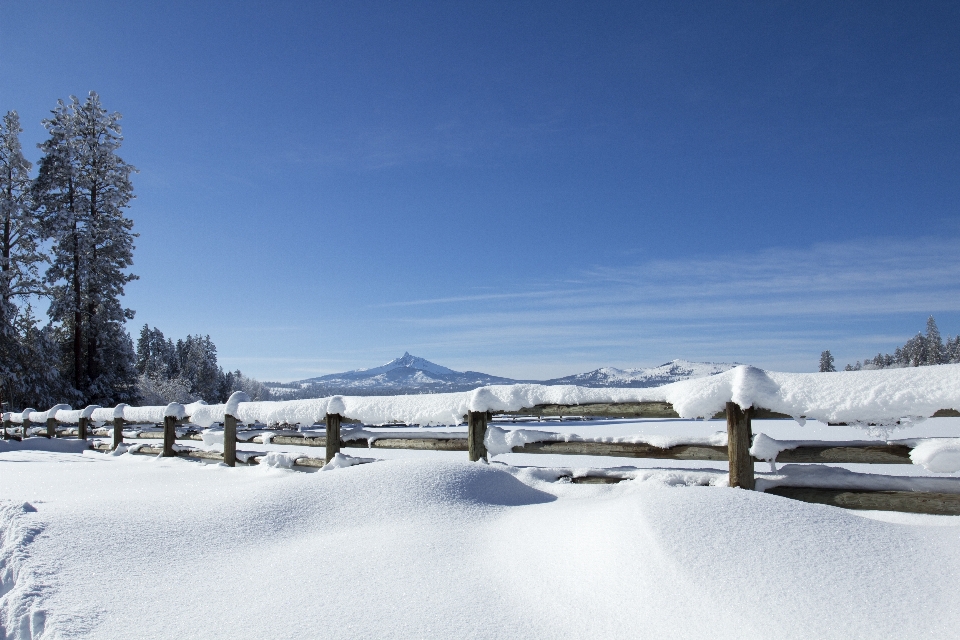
[940,455]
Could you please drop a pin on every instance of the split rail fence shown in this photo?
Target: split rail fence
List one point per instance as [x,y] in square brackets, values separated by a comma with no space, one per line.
[736,453]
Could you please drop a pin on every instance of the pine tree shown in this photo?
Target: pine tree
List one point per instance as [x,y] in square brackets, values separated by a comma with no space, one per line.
[20,239]
[826,362]
[198,364]
[19,256]
[934,344]
[82,189]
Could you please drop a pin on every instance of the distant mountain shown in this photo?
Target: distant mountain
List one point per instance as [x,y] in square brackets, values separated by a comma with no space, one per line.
[406,375]
[652,377]
[411,375]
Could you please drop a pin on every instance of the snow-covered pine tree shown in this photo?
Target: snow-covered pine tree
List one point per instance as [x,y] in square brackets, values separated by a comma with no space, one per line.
[826,362]
[198,364]
[82,189]
[156,356]
[38,382]
[20,240]
[934,344]
[19,256]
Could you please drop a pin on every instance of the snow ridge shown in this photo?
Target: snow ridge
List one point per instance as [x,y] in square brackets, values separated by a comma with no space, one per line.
[20,617]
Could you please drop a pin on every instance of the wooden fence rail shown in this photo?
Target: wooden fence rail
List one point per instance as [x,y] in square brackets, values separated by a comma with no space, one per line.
[736,453]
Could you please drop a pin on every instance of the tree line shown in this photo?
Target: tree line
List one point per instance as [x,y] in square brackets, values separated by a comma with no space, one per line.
[66,240]
[922,350]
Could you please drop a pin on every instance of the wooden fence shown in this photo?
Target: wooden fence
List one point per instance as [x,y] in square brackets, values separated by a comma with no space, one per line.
[736,453]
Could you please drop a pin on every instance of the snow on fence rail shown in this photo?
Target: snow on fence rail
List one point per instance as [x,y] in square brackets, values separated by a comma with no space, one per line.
[883,397]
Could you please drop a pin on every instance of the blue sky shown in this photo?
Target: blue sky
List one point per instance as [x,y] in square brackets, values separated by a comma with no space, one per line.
[526,189]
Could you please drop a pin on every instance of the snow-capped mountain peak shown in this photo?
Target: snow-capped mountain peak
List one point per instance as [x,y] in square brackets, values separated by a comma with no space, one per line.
[407,361]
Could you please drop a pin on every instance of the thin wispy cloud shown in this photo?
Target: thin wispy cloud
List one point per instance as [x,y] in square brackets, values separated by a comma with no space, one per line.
[775,307]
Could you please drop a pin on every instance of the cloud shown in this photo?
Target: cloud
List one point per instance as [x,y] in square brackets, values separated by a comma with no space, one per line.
[773,307]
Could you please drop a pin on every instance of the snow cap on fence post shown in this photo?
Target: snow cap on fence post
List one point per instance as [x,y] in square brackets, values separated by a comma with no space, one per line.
[52,418]
[118,424]
[233,403]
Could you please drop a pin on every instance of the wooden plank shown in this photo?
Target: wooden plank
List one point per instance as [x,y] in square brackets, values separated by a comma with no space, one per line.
[300,441]
[864,454]
[606,409]
[419,444]
[476,431]
[947,413]
[908,501]
[739,438]
[625,410]
[332,440]
[595,479]
[626,450]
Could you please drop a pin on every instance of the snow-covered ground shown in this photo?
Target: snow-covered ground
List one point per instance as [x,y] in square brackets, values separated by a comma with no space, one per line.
[426,544]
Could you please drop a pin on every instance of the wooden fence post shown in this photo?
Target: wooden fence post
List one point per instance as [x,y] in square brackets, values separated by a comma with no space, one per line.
[82,427]
[26,422]
[118,425]
[51,427]
[117,432]
[739,437]
[230,440]
[6,425]
[169,436]
[230,416]
[333,435]
[476,431]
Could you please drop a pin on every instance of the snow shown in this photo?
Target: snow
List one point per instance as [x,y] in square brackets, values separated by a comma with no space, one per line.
[886,397]
[234,401]
[342,461]
[433,548]
[174,410]
[499,441]
[940,455]
[62,445]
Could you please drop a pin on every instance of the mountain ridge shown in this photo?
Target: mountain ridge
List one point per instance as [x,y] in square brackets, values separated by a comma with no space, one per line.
[411,374]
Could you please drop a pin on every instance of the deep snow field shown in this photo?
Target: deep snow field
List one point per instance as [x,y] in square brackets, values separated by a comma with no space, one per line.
[428,545]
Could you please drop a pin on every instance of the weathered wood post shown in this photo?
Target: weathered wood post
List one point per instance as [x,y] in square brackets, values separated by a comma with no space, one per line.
[171,414]
[25,421]
[333,434]
[476,431]
[118,425]
[84,420]
[6,425]
[230,427]
[52,419]
[229,440]
[739,437]
[169,436]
